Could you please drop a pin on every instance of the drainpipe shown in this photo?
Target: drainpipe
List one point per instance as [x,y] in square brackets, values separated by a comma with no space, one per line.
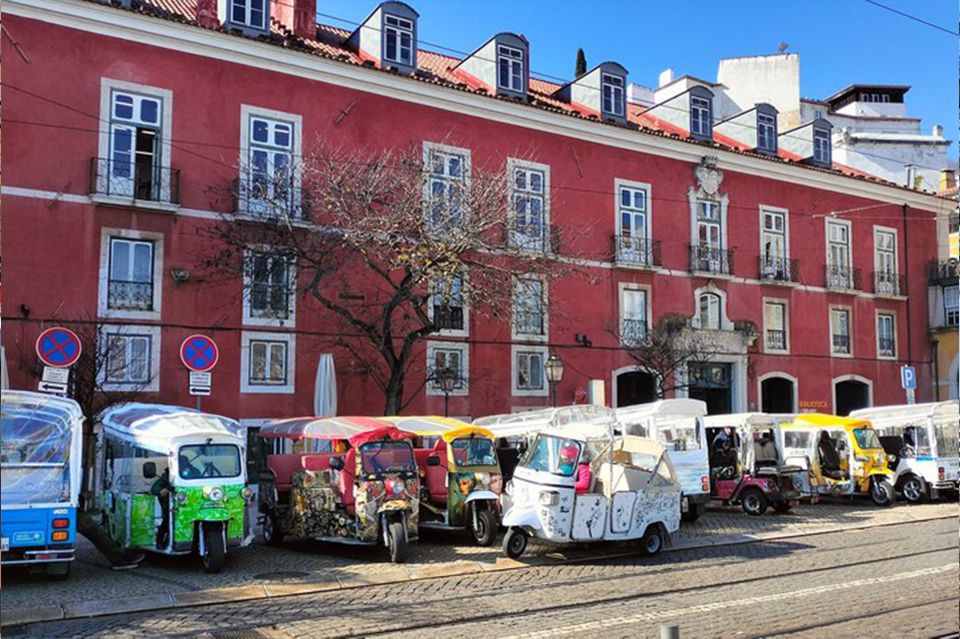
[935,346]
[906,279]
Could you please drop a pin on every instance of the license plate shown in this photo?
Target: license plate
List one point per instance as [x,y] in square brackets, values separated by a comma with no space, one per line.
[5,544]
[685,505]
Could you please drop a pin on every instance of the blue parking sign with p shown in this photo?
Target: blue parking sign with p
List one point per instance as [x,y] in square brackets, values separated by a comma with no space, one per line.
[908,377]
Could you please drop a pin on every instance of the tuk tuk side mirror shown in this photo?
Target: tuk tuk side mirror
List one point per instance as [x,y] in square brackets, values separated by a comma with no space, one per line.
[149,470]
[433,460]
[336,463]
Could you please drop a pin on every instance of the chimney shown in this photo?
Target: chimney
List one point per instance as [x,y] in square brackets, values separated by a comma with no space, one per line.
[666,77]
[937,130]
[207,14]
[299,16]
[948,180]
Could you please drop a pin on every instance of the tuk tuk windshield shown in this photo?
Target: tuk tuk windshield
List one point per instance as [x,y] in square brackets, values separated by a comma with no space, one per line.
[556,455]
[34,459]
[916,442]
[948,443]
[796,439]
[388,456]
[681,433]
[867,438]
[473,451]
[209,460]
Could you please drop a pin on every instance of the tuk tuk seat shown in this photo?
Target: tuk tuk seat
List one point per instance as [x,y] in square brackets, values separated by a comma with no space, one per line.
[316,461]
[283,466]
[435,477]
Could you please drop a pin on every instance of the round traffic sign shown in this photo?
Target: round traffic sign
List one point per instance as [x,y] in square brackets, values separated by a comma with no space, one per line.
[199,353]
[59,347]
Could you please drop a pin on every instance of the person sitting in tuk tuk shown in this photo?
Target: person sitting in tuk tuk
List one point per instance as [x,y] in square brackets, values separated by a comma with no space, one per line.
[584,475]
[161,490]
[187,470]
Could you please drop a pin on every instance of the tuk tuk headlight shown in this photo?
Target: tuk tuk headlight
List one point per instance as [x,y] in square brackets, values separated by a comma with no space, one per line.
[181,497]
[395,486]
[247,492]
[216,494]
[483,478]
[891,459]
[549,498]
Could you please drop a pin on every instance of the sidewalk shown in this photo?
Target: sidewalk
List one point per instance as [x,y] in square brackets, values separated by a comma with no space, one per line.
[304,567]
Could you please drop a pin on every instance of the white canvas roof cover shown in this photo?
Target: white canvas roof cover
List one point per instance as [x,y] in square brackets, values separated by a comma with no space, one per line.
[424,424]
[155,425]
[320,427]
[904,414]
[510,424]
[663,408]
[580,431]
[39,408]
[737,420]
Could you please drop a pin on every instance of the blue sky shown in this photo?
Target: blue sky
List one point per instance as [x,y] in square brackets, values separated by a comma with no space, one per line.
[839,41]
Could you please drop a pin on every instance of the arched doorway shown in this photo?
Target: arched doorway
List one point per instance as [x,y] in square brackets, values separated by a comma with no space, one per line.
[849,395]
[712,383]
[777,395]
[635,387]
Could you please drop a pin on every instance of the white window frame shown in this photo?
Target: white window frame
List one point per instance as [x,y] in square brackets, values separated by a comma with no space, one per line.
[766,123]
[647,290]
[822,144]
[785,213]
[696,115]
[107,88]
[617,86]
[849,265]
[103,284]
[396,31]
[246,338]
[451,332]
[429,148]
[153,333]
[530,337]
[850,331]
[947,309]
[433,389]
[246,21]
[515,352]
[785,304]
[725,323]
[877,230]
[523,241]
[248,112]
[620,185]
[893,326]
[505,52]
[275,322]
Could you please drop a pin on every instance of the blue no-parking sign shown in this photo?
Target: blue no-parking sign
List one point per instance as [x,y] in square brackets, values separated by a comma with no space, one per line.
[199,353]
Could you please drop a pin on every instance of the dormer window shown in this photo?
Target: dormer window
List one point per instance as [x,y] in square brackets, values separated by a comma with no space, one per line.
[701,116]
[398,40]
[767,132]
[613,97]
[509,68]
[249,13]
[822,146]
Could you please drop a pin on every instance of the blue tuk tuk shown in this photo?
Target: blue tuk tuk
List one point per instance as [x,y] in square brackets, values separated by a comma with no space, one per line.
[40,476]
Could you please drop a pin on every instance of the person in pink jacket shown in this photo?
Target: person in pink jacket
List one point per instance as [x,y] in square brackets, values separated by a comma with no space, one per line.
[584,475]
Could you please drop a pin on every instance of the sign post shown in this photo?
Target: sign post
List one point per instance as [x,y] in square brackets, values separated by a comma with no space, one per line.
[908,380]
[58,348]
[199,354]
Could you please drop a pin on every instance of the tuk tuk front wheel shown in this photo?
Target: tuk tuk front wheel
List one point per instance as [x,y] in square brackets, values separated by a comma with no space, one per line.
[914,490]
[514,543]
[272,534]
[397,542]
[881,492]
[753,502]
[214,553]
[484,527]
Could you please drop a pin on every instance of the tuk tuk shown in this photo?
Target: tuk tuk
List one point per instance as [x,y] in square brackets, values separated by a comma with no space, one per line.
[461,476]
[678,425]
[747,464]
[40,468]
[172,480]
[348,480]
[844,455]
[922,441]
[633,491]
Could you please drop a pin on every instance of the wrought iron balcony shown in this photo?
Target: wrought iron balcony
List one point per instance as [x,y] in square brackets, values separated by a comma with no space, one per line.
[129,296]
[889,283]
[532,235]
[777,269]
[841,277]
[943,272]
[776,339]
[633,332]
[709,259]
[841,344]
[886,346]
[279,198]
[636,251]
[135,180]
[448,317]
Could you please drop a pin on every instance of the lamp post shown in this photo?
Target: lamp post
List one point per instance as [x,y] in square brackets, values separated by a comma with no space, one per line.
[553,368]
[447,377]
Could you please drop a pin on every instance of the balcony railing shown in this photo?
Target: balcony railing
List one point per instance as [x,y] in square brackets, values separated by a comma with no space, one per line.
[129,296]
[777,269]
[633,332]
[277,199]
[709,259]
[776,340]
[943,272]
[448,317]
[534,235]
[636,251]
[841,344]
[136,180]
[889,283]
[841,277]
[886,346]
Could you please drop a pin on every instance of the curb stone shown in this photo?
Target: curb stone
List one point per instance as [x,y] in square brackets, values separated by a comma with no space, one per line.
[402,574]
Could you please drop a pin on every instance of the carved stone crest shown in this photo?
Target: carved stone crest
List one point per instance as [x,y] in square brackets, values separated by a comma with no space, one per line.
[708,175]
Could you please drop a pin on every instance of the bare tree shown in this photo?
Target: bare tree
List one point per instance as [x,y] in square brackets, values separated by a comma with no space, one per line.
[388,248]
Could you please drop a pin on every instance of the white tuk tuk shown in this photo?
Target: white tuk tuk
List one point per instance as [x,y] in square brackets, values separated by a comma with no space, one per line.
[632,491]
[678,425]
[923,443]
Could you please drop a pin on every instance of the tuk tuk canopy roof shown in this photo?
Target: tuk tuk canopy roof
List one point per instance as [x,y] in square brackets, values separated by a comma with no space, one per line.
[510,424]
[467,431]
[739,420]
[910,414]
[386,431]
[580,432]
[44,425]
[321,427]
[663,408]
[426,424]
[821,420]
[154,426]
[30,408]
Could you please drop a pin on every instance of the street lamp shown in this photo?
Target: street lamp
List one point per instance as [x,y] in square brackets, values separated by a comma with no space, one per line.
[553,368]
[447,378]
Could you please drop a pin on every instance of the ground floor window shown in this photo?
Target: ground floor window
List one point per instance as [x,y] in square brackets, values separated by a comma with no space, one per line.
[267,364]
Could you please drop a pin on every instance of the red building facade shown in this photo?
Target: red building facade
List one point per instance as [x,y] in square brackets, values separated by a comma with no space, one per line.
[123,129]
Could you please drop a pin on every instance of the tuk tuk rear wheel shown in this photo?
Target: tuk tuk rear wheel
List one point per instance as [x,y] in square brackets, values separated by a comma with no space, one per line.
[214,554]
[693,512]
[514,543]
[397,542]
[484,529]
[272,534]
[753,502]
[881,492]
[914,490]
[58,571]
[652,542]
